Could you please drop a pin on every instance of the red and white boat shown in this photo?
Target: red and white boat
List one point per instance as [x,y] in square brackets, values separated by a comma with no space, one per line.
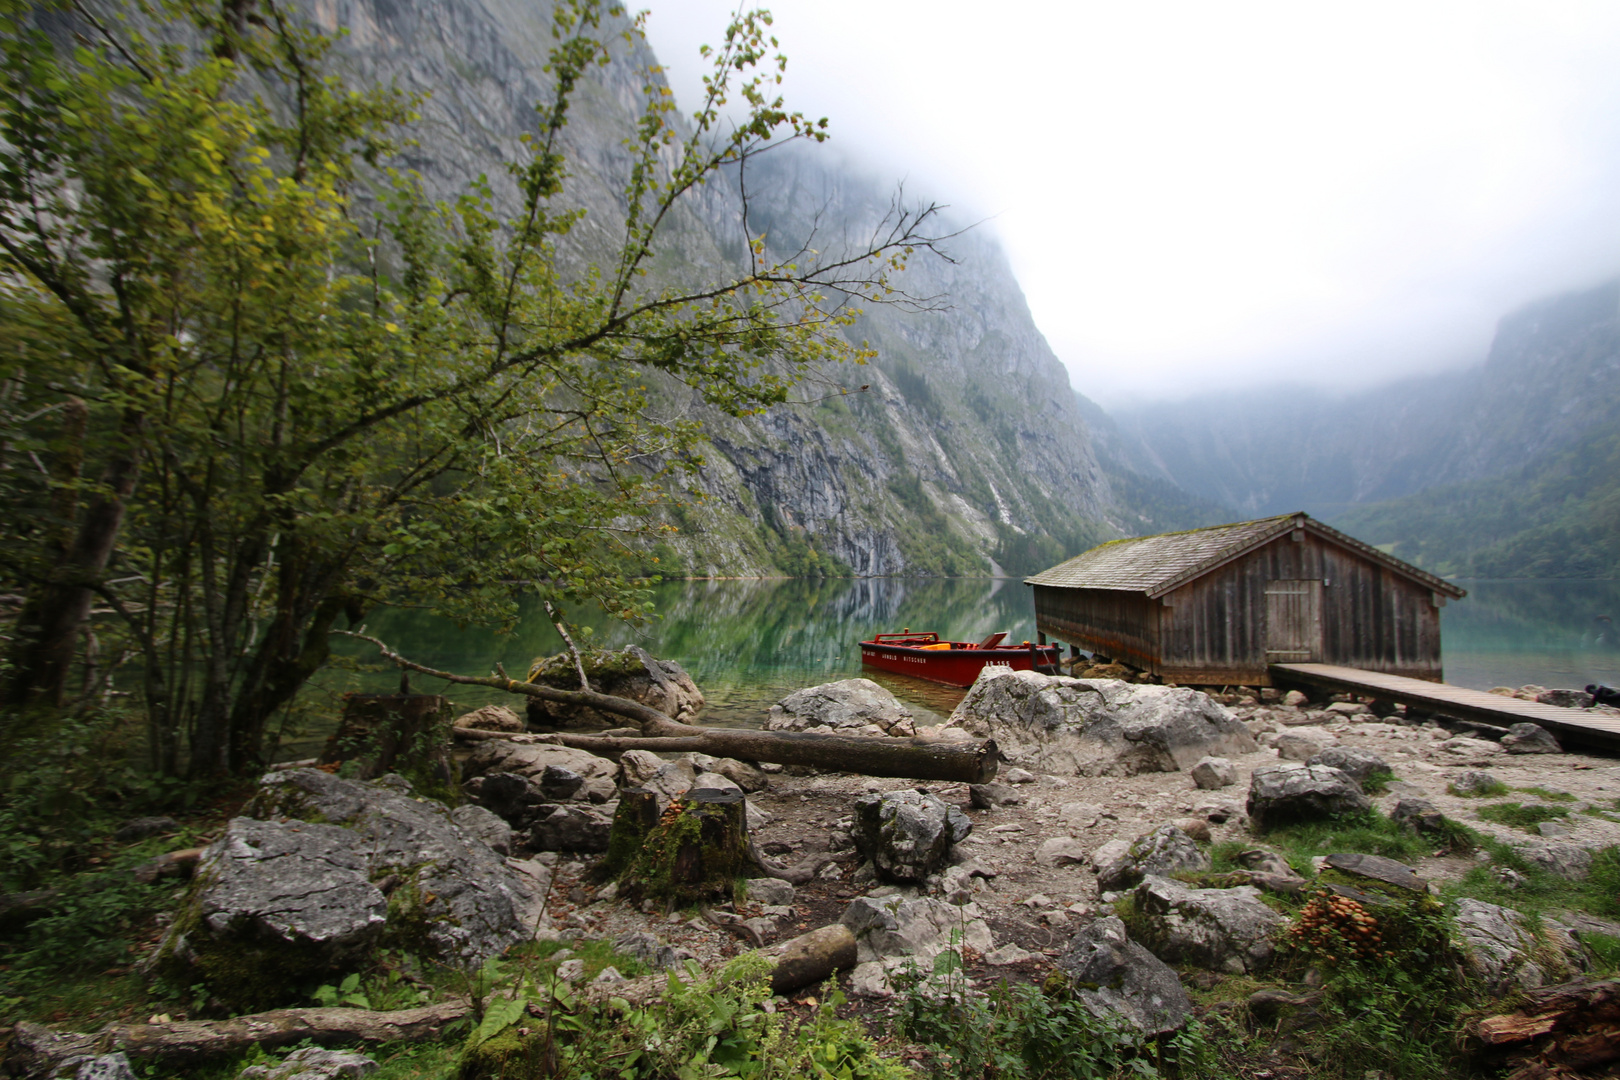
[954,663]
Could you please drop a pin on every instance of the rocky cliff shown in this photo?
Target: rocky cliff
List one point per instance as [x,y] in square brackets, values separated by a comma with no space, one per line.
[967,447]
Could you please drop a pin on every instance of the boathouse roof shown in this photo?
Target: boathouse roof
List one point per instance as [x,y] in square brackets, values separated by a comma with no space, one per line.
[1155,565]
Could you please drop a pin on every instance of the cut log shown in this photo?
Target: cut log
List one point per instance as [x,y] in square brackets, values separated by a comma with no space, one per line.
[811,958]
[37,1051]
[175,864]
[696,852]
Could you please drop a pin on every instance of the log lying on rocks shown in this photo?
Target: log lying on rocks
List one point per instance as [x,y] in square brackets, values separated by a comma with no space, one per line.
[911,759]
[811,958]
[1558,1031]
[37,1051]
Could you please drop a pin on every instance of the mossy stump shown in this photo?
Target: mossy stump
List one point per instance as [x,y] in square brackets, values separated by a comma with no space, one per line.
[407,734]
[695,852]
[520,1052]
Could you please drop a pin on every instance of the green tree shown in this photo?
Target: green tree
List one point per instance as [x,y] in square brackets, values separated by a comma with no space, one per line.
[261,382]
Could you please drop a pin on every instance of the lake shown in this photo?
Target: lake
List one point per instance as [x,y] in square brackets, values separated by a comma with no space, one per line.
[749,643]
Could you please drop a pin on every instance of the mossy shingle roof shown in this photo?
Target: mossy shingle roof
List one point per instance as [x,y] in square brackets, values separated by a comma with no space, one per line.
[1156,564]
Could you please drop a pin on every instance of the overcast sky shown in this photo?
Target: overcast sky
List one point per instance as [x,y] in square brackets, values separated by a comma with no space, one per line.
[1202,196]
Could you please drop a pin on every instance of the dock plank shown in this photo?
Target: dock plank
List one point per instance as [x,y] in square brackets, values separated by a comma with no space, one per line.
[1572,727]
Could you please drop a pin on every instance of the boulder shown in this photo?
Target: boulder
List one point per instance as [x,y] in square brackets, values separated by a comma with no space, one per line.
[1116,978]
[571,828]
[1094,727]
[1295,700]
[1476,782]
[491,718]
[1359,765]
[642,946]
[1567,699]
[844,707]
[1568,861]
[1165,850]
[1505,954]
[746,775]
[476,821]
[628,673]
[1220,929]
[597,775]
[666,779]
[906,835]
[1418,815]
[1530,739]
[313,1063]
[1061,851]
[893,933]
[1302,743]
[1214,772]
[320,869]
[990,796]
[1284,793]
[770,891]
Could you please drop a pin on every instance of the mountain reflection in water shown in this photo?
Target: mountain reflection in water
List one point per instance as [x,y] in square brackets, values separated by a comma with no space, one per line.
[749,643]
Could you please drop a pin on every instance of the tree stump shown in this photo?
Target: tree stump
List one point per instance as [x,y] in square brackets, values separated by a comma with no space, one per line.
[695,852]
[407,734]
[636,817]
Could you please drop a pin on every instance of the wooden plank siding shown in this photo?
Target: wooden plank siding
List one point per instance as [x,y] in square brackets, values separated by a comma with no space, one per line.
[1214,628]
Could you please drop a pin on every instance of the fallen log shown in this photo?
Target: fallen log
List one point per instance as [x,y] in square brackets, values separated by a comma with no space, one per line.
[811,958]
[38,1051]
[911,759]
[1558,1030]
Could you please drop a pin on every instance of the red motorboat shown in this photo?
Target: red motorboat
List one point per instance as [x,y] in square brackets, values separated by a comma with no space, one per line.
[954,663]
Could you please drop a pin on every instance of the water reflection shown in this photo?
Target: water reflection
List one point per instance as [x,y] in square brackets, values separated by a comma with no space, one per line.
[1552,633]
[747,643]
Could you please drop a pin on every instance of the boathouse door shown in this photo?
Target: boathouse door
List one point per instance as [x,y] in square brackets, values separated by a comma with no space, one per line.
[1293,621]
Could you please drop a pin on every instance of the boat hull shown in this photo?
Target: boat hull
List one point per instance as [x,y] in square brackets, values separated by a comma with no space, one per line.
[954,666]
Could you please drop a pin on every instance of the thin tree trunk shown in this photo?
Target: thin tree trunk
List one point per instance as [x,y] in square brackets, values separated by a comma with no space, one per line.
[64,601]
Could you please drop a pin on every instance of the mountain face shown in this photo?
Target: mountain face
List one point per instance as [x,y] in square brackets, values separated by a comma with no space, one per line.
[968,450]
[1506,469]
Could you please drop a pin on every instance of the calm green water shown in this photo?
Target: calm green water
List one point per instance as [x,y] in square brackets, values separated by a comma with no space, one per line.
[749,643]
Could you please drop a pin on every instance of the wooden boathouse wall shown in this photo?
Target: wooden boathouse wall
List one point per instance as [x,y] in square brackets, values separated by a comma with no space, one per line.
[1302,597]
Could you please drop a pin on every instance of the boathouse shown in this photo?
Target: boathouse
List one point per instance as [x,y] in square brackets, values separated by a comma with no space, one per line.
[1218,606]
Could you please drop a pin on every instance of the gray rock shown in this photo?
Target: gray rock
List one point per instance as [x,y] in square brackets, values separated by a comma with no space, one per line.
[1226,930]
[1114,977]
[313,1063]
[1553,830]
[1475,782]
[1165,850]
[714,782]
[1093,727]
[531,760]
[906,835]
[1530,739]
[1284,793]
[770,891]
[1264,861]
[990,796]
[751,778]
[559,783]
[142,827]
[1419,815]
[1300,744]
[1568,861]
[1359,765]
[512,797]
[571,828]
[113,1066]
[297,880]
[1506,954]
[1566,699]
[1294,699]
[1377,868]
[1213,772]
[845,706]
[894,927]
[491,718]
[1349,708]
[1061,851]
[642,946]
[1018,776]
[668,779]
[483,825]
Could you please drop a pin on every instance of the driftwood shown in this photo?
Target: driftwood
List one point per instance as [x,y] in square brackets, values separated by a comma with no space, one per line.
[912,759]
[1558,1031]
[800,874]
[38,1051]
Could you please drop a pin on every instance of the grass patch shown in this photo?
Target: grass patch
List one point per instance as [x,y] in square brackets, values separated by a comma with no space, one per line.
[596,955]
[399,1061]
[1371,834]
[1547,794]
[1492,790]
[1539,890]
[1605,953]
[1521,816]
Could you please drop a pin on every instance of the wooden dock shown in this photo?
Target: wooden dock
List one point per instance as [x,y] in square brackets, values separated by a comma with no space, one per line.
[1571,727]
